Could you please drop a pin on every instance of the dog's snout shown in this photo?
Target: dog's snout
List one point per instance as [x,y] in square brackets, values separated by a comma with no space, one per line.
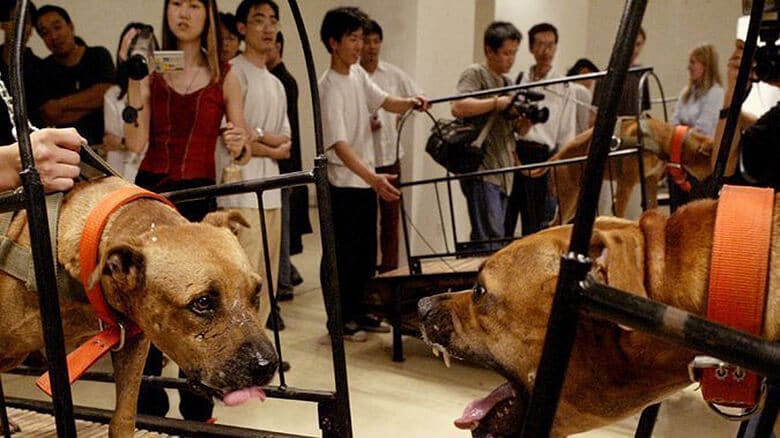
[424,307]
[255,363]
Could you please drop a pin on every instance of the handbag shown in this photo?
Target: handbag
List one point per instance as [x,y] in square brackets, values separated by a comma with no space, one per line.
[457,144]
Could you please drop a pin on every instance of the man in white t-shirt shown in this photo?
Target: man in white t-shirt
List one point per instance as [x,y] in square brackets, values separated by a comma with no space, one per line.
[347,99]
[387,150]
[265,112]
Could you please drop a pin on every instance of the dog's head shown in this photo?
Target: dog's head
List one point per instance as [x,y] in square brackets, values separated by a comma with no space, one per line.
[696,150]
[501,322]
[192,291]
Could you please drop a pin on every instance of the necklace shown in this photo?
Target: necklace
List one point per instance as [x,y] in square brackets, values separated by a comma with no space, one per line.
[192,81]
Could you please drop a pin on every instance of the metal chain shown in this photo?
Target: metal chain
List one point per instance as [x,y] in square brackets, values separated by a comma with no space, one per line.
[9,104]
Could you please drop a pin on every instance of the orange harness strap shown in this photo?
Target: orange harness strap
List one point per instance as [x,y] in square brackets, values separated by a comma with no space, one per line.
[674,166]
[738,284]
[81,359]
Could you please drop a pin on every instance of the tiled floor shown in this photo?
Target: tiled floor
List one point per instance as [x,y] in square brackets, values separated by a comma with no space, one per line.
[417,398]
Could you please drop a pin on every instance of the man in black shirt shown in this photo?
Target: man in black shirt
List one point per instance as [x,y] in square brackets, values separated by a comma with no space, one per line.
[32,69]
[78,76]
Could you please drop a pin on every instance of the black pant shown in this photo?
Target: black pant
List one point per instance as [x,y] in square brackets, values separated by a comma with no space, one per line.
[354,225]
[529,195]
[153,400]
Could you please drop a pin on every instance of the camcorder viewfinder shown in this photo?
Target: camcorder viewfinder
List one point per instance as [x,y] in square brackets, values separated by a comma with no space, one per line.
[767,57]
[523,104]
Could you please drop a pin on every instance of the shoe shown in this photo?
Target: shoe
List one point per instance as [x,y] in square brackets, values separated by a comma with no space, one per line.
[373,323]
[295,276]
[284,295]
[353,333]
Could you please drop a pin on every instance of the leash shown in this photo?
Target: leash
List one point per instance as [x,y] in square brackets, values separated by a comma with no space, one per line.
[116,330]
[737,292]
[674,166]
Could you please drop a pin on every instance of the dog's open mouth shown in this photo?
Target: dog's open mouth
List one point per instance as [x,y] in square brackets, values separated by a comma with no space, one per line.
[497,415]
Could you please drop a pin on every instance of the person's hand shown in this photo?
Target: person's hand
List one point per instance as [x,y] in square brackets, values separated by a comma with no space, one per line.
[234,138]
[56,154]
[522,125]
[51,112]
[284,150]
[420,103]
[124,45]
[383,186]
[502,102]
[375,122]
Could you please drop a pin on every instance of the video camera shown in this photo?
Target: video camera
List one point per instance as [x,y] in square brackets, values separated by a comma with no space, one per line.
[140,54]
[526,107]
[767,57]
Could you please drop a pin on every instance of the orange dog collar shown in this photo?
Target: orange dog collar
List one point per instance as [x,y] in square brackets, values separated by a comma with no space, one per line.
[738,284]
[674,166]
[116,331]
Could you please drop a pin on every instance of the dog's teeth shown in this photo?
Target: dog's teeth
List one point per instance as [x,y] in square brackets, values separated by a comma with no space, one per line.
[435,351]
[446,357]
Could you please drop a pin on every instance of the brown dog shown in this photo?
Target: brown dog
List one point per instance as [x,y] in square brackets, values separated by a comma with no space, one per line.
[613,372]
[566,179]
[189,287]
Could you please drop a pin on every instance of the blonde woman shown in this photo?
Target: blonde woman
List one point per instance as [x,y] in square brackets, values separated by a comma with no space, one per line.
[701,100]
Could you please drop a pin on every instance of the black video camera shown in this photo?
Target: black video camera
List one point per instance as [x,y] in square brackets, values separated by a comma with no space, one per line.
[140,54]
[526,107]
[767,57]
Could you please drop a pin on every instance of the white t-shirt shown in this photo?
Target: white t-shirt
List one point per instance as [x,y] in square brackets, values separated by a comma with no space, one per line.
[347,102]
[125,162]
[395,82]
[561,126]
[265,107]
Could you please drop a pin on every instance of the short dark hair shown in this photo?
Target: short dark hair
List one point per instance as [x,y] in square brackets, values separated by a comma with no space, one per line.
[229,21]
[539,28]
[373,28]
[341,21]
[45,9]
[280,40]
[498,32]
[580,64]
[7,8]
[242,12]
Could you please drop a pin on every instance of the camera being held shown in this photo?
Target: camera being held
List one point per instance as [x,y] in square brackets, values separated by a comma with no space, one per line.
[140,54]
[526,107]
[767,57]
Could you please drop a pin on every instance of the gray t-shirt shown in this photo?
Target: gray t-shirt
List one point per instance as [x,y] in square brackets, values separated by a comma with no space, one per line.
[500,142]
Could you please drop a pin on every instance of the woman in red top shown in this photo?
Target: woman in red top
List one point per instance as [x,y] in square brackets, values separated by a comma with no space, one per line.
[178,116]
[179,113]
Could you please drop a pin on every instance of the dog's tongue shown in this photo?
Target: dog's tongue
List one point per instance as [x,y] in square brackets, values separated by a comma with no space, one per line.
[477,409]
[241,396]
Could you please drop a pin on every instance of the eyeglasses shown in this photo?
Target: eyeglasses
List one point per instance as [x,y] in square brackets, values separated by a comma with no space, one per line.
[263,21]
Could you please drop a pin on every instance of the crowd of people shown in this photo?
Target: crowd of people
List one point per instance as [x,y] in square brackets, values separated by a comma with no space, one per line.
[233,108]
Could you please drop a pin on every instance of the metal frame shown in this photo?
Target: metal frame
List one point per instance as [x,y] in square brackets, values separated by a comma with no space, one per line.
[333,406]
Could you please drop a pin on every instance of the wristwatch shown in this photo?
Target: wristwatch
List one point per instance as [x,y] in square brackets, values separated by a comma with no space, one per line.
[260,133]
[130,115]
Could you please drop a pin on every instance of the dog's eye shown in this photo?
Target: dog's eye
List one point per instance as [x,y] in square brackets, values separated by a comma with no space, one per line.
[256,297]
[477,292]
[204,304]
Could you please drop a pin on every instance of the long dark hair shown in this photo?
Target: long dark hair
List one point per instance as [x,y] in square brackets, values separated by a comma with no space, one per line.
[121,66]
[210,39]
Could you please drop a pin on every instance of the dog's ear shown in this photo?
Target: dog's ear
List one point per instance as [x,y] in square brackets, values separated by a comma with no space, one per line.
[226,218]
[618,258]
[124,264]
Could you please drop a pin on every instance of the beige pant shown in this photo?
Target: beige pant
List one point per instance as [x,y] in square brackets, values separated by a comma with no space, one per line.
[252,241]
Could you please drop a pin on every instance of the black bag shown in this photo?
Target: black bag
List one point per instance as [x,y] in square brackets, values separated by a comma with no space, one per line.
[457,144]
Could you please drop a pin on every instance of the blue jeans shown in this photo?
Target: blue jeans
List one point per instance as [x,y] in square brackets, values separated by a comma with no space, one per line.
[487,209]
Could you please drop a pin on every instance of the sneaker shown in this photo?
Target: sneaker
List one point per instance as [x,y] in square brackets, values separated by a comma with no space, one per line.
[295,276]
[352,332]
[373,323]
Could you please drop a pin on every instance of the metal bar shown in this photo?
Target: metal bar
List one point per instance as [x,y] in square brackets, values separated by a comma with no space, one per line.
[40,243]
[737,98]
[541,165]
[647,421]
[451,206]
[12,201]
[528,85]
[4,413]
[156,424]
[682,328]
[287,393]
[564,314]
[285,180]
[269,280]
[341,422]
